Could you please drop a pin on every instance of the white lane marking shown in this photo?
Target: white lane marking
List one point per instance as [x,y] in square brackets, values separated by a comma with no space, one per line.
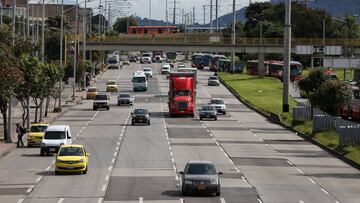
[301,201]
[289,163]
[259,200]
[312,181]
[20,201]
[39,178]
[110,167]
[176,178]
[267,145]
[100,200]
[324,191]
[141,199]
[113,161]
[173,160]
[171,154]
[174,167]
[115,153]
[30,189]
[60,200]
[118,143]
[181,200]
[300,171]
[48,168]
[117,148]
[107,177]
[103,188]
[53,161]
[222,200]
[260,139]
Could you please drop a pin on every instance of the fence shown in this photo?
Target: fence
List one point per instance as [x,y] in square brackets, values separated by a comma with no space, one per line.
[349,132]
[302,112]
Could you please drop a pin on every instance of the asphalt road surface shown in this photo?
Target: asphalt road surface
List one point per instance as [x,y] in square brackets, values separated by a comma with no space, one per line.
[262,162]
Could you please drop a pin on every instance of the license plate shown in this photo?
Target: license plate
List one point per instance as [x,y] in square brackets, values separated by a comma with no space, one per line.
[207,116]
[70,167]
[52,149]
[201,187]
[140,120]
[182,111]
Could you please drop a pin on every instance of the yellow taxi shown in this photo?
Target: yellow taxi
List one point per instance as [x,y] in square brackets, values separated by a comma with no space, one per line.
[36,134]
[111,86]
[91,93]
[71,158]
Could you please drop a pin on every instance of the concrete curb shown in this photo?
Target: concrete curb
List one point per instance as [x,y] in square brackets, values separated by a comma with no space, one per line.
[300,134]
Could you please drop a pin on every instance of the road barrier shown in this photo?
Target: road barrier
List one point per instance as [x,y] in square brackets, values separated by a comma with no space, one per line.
[322,121]
[302,112]
[349,132]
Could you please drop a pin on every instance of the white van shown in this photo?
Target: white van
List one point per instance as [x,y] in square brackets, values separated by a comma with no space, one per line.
[139,81]
[55,136]
[113,62]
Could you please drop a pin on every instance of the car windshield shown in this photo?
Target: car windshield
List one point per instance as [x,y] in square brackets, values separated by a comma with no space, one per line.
[111,82]
[38,129]
[147,69]
[100,97]
[213,78]
[146,55]
[54,135]
[124,95]
[201,169]
[140,111]
[182,93]
[112,61]
[217,101]
[165,68]
[71,151]
[139,79]
[207,108]
[92,90]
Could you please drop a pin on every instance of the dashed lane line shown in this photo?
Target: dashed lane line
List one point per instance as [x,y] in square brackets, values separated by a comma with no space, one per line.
[60,200]
[20,201]
[222,200]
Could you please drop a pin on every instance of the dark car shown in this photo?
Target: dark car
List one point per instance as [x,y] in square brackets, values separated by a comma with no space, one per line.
[200,176]
[140,116]
[208,111]
[124,98]
[133,59]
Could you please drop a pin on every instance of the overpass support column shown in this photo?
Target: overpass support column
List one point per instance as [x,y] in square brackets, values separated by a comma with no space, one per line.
[261,59]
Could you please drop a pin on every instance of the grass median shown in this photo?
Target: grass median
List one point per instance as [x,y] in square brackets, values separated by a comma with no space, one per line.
[266,96]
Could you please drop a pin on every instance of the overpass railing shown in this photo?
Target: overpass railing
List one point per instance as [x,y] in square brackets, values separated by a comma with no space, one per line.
[207,39]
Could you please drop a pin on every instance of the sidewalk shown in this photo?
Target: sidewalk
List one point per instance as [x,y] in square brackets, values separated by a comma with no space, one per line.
[67,103]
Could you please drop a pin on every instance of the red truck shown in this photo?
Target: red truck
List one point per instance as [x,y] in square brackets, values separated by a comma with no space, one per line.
[182,93]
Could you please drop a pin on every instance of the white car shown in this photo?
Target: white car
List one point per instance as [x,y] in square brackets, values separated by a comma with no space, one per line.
[148,72]
[213,81]
[55,136]
[219,104]
[145,59]
[165,69]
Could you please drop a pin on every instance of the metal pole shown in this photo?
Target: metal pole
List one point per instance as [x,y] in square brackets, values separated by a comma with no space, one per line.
[233,37]
[346,45]
[61,50]
[324,31]
[216,15]
[27,19]
[204,15]
[84,31]
[193,16]
[75,48]
[33,25]
[211,23]
[287,48]
[166,12]
[1,13]
[99,30]
[174,13]
[43,33]
[149,12]
[109,16]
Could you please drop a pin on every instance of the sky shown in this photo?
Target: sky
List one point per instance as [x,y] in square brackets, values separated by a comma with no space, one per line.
[158,8]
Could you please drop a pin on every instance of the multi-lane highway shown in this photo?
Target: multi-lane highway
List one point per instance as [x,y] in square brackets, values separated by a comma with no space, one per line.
[262,162]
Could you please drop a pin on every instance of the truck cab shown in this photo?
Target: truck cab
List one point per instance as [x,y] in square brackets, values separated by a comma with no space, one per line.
[139,81]
[182,94]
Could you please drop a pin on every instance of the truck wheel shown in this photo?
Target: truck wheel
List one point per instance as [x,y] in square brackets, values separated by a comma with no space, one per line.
[132,123]
[94,108]
[201,118]
[42,153]
[215,118]
[148,122]
[107,108]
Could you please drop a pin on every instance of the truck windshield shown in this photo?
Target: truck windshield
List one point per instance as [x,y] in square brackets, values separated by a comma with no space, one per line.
[139,80]
[182,93]
[100,97]
[112,61]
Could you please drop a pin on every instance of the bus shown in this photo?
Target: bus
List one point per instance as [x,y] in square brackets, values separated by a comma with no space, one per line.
[139,81]
[214,62]
[225,65]
[171,56]
[153,29]
[206,59]
[197,61]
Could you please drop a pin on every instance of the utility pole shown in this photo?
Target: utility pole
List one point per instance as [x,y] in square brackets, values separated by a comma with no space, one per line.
[43,35]
[149,12]
[61,50]
[182,17]
[100,6]
[216,15]
[287,47]
[174,13]
[166,12]
[1,13]
[84,30]
[204,14]
[211,23]
[75,48]
[27,19]
[193,14]
[233,37]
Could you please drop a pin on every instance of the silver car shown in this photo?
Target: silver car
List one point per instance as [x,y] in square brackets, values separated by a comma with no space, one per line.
[148,72]
[213,81]
[207,111]
[200,176]
[219,104]
[125,98]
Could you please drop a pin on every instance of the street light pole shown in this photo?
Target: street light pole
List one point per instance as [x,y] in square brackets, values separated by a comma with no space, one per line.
[61,50]
[75,48]
[211,23]
[233,37]
[84,30]
[287,48]
[216,15]
[43,34]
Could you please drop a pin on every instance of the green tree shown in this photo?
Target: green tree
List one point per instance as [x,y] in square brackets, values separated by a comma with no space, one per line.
[312,82]
[331,95]
[121,24]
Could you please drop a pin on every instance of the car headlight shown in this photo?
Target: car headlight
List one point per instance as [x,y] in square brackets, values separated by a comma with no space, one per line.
[214,181]
[81,160]
[59,161]
[188,182]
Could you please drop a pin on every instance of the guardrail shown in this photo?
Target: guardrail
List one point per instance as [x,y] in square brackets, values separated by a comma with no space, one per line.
[207,39]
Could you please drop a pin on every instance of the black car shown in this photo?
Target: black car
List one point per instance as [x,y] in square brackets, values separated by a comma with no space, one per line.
[208,111]
[140,116]
[133,59]
[201,177]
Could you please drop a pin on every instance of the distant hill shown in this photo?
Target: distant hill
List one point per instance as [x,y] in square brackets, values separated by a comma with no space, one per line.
[145,21]
[333,7]
[227,19]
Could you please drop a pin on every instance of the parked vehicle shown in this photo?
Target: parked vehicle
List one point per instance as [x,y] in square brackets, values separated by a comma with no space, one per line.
[219,105]
[55,136]
[200,176]
[140,116]
[125,98]
[139,81]
[182,93]
[72,158]
[36,134]
[208,111]
[102,100]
